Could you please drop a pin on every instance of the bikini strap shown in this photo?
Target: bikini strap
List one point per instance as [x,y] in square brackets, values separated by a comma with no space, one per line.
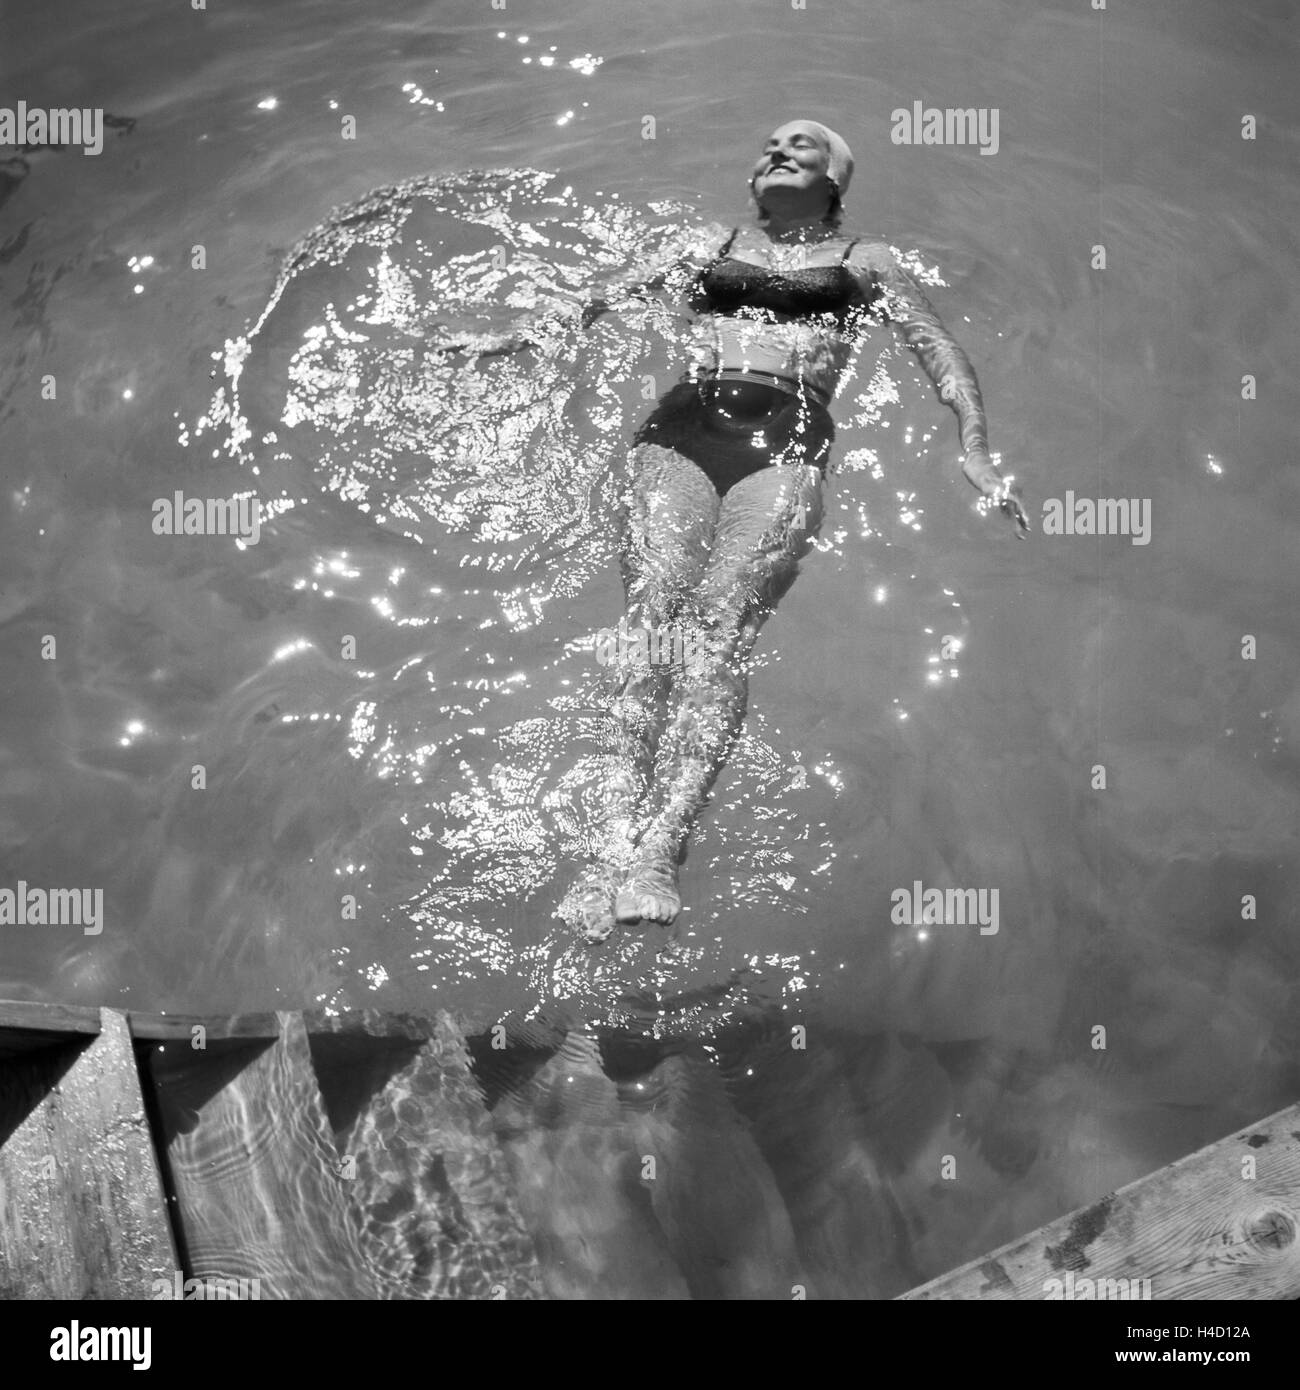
[848,250]
[726,250]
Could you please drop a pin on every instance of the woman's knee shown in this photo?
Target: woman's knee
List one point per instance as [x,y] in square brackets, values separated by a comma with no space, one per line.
[712,684]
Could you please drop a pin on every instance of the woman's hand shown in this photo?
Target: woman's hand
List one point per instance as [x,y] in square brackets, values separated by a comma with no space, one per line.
[534,331]
[484,345]
[982,473]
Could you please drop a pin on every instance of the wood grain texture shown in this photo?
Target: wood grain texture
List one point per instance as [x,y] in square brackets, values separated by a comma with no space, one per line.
[180,1027]
[355,1023]
[27,1025]
[1199,1229]
[82,1212]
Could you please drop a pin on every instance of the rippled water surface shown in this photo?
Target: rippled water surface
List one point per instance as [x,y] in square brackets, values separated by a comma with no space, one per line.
[455,522]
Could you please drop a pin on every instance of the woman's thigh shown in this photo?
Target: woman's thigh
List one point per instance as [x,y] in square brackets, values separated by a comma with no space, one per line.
[766,524]
[669,519]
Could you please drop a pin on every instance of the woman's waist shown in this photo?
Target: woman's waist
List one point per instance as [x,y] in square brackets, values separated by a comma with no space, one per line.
[786,381]
[792,364]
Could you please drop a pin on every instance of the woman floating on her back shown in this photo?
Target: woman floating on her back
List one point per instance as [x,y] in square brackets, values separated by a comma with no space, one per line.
[726,491]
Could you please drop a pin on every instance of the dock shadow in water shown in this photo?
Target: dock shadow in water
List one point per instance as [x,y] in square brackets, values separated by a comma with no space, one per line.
[724,1166]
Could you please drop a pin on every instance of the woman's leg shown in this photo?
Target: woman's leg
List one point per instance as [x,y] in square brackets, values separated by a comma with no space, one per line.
[670,511]
[670,517]
[765,526]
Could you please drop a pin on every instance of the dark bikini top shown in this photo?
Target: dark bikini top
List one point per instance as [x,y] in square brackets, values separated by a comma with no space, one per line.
[729,284]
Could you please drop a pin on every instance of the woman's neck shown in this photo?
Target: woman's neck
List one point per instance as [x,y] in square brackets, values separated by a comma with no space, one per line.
[813,227]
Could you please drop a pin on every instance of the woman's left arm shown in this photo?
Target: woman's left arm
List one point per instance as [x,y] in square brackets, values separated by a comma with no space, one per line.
[947,366]
[688,248]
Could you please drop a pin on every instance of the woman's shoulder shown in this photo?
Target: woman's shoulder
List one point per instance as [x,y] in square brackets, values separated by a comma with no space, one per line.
[696,243]
[870,252]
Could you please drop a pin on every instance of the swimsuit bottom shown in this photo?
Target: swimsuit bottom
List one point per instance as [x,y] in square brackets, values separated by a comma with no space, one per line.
[731,426]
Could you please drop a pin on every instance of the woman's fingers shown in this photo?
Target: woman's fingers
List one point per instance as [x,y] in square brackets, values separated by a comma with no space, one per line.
[1002,493]
[1014,507]
[484,345]
[1012,504]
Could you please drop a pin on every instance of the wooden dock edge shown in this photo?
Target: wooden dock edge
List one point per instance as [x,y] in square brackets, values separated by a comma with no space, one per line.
[145,1152]
[82,1209]
[1220,1223]
[48,1023]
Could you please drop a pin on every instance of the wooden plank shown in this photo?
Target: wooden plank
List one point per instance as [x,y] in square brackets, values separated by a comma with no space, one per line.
[27,1025]
[355,1023]
[370,1023]
[1198,1229]
[217,1028]
[429,1186]
[254,1170]
[82,1212]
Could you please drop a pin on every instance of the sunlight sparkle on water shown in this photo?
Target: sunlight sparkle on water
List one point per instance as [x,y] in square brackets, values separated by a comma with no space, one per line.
[299,644]
[418,97]
[338,565]
[362,730]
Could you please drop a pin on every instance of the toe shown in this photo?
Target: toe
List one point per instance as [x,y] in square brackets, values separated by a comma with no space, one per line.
[627,907]
[665,909]
[598,930]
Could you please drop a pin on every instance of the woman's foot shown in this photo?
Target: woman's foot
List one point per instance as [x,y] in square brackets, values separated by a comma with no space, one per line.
[649,892]
[589,904]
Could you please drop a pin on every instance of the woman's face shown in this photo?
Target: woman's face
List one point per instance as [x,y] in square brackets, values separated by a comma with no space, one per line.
[794,158]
